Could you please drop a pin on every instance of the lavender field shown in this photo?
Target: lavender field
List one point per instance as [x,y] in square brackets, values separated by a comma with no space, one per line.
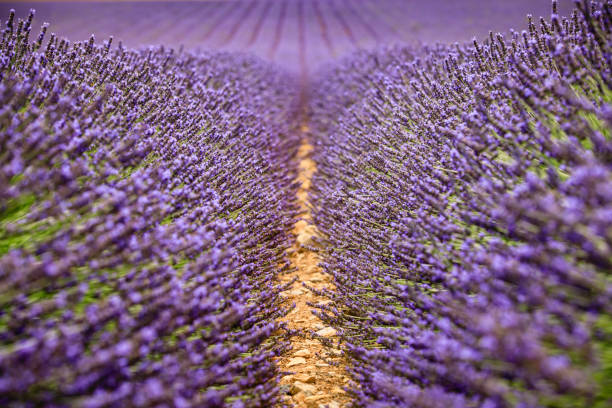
[309,203]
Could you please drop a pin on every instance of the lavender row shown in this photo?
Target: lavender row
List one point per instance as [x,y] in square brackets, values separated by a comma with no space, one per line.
[464,200]
[145,199]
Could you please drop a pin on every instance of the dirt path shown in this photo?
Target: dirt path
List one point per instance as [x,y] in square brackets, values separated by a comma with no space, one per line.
[315,382]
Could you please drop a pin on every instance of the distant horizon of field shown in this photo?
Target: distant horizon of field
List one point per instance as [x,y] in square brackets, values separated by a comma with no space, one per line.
[298,35]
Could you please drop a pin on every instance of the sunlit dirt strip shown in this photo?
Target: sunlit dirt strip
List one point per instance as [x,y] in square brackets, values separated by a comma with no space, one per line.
[315,382]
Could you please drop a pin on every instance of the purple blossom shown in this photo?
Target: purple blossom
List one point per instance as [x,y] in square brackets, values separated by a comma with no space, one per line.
[131,184]
[460,195]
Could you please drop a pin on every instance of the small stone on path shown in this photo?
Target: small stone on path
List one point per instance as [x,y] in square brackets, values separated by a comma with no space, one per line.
[306,378]
[315,398]
[327,332]
[296,361]
[300,387]
[316,278]
[304,239]
[338,390]
[299,397]
[311,402]
[302,353]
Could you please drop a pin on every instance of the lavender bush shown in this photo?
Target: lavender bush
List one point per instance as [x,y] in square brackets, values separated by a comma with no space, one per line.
[145,199]
[464,199]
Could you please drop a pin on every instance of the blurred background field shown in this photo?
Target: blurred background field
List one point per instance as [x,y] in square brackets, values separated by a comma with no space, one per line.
[299,35]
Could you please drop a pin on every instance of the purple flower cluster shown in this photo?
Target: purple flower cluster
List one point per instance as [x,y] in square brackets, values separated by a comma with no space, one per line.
[145,202]
[464,200]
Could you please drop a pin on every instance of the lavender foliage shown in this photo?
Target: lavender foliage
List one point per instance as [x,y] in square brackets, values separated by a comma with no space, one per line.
[464,199]
[145,202]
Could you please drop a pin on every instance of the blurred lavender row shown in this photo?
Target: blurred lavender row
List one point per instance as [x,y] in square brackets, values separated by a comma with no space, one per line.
[145,199]
[299,35]
[464,200]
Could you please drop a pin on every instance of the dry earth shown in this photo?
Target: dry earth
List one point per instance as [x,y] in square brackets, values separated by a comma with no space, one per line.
[315,383]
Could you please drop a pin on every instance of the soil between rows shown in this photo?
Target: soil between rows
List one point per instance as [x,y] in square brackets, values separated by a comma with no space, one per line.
[315,383]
